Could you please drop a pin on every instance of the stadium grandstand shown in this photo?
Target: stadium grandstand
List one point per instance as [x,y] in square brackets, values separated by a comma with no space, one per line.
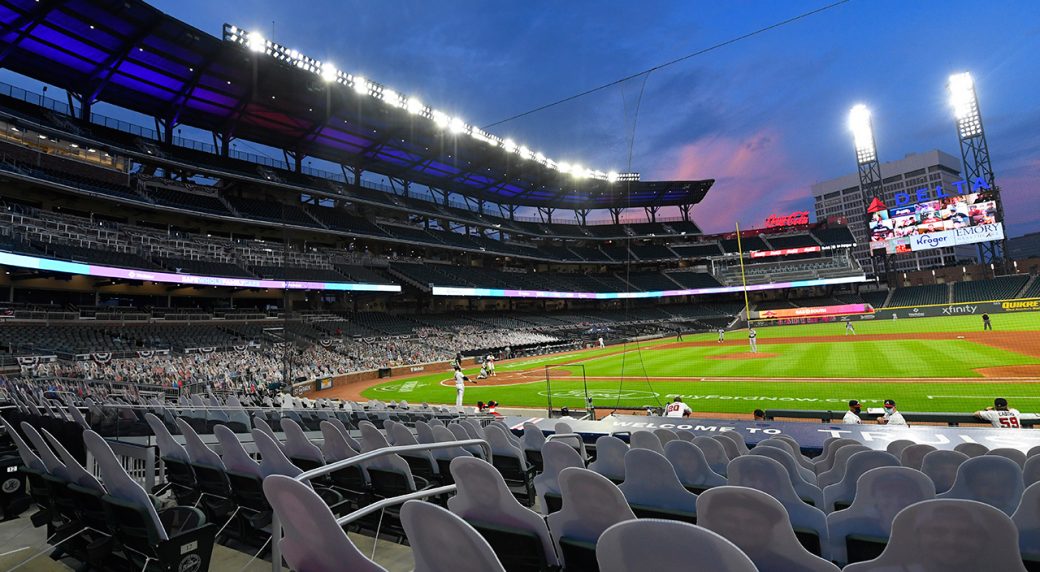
[441,350]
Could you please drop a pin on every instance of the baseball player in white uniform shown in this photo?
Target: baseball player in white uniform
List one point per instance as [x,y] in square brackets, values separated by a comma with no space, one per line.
[490,361]
[601,344]
[852,415]
[892,417]
[752,337]
[1000,416]
[677,408]
[849,329]
[460,386]
[722,335]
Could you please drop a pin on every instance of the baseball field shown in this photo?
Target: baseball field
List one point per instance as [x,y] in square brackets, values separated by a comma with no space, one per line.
[925,364]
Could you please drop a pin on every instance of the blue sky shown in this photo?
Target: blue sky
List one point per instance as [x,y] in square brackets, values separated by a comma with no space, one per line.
[765,116]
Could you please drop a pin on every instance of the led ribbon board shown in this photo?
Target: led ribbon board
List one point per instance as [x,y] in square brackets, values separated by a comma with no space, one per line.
[815,311]
[501,293]
[36,263]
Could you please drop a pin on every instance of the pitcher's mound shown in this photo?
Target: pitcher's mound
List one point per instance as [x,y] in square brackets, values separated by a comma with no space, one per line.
[743,355]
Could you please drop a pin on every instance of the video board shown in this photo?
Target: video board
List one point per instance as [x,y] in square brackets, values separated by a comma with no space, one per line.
[939,223]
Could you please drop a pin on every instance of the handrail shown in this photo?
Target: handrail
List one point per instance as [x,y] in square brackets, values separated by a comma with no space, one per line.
[276,525]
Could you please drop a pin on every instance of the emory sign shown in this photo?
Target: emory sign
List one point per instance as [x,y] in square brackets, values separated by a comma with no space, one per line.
[797,218]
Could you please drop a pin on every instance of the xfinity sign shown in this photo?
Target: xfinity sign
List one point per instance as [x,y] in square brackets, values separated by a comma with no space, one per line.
[926,194]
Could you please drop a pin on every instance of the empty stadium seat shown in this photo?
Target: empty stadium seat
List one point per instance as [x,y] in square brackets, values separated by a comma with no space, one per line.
[994,480]
[443,542]
[839,496]
[757,524]
[653,490]
[591,504]
[807,491]
[861,531]
[946,534]
[610,458]
[1027,521]
[691,467]
[649,544]
[941,467]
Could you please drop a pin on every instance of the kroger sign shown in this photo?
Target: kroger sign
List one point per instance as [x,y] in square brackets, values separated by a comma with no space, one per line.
[926,194]
[957,236]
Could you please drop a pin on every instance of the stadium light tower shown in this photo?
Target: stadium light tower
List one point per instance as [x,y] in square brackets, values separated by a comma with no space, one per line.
[869,170]
[975,151]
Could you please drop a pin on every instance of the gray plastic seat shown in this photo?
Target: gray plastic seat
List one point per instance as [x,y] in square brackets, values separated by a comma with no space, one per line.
[198,452]
[1013,454]
[796,450]
[262,425]
[76,472]
[533,438]
[806,491]
[312,540]
[714,453]
[424,433]
[1033,451]
[994,480]
[913,456]
[651,544]
[646,440]
[807,473]
[442,435]
[169,448]
[297,445]
[737,439]
[556,457]
[844,491]
[236,412]
[880,495]
[651,485]
[1027,521]
[837,470]
[610,458]
[1031,471]
[461,434]
[896,447]
[947,534]
[972,449]
[769,476]
[729,445]
[825,461]
[118,483]
[665,435]
[483,497]
[52,465]
[402,436]
[941,467]
[758,524]
[272,460]
[591,504]
[443,542]
[233,454]
[373,439]
[691,467]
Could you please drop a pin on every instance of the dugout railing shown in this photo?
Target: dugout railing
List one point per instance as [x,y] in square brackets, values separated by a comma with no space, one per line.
[833,416]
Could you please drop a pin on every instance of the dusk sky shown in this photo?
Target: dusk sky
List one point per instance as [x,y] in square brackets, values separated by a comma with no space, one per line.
[765,116]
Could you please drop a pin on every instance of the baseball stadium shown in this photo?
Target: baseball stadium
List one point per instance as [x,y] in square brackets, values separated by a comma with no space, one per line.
[260,310]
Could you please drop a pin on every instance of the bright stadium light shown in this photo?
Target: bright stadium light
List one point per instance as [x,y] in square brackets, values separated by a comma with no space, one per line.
[440,119]
[328,72]
[360,85]
[862,133]
[414,106]
[456,125]
[509,145]
[256,42]
[612,177]
[965,105]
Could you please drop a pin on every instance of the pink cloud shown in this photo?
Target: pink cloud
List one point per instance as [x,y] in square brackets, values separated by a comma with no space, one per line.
[754,177]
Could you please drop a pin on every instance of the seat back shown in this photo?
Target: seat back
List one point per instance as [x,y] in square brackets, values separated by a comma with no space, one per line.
[757,524]
[837,470]
[121,486]
[941,467]
[651,544]
[646,440]
[1031,471]
[169,448]
[371,437]
[1027,521]
[991,479]
[51,463]
[442,542]
[825,461]
[665,435]
[1013,454]
[949,534]
[913,455]
[737,439]
[533,438]
[880,494]
[896,447]
[842,493]
[424,433]
[972,449]
[651,482]
[198,452]
[76,472]
[556,457]
[261,424]
[806,491]
[483,497]
[714,453]
[610,458]
[591,504]
[234,455]
[272,460]
[312,540]
[691,467]
[297,445]
[808,474]
[443,435]
[729,445]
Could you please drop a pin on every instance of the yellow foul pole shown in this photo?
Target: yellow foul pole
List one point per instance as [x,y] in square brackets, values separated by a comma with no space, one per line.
[743,279]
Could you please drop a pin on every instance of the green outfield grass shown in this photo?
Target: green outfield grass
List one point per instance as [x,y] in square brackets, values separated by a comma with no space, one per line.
[821,374]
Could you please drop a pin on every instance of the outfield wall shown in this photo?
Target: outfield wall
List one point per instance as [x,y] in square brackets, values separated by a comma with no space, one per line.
[963,309]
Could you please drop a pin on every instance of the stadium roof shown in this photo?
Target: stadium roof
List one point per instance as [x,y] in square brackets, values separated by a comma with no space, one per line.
[129,54]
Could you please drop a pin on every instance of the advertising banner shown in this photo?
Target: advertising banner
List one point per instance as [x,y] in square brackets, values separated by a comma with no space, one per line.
[784,251]
[814,311]
[966,309]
